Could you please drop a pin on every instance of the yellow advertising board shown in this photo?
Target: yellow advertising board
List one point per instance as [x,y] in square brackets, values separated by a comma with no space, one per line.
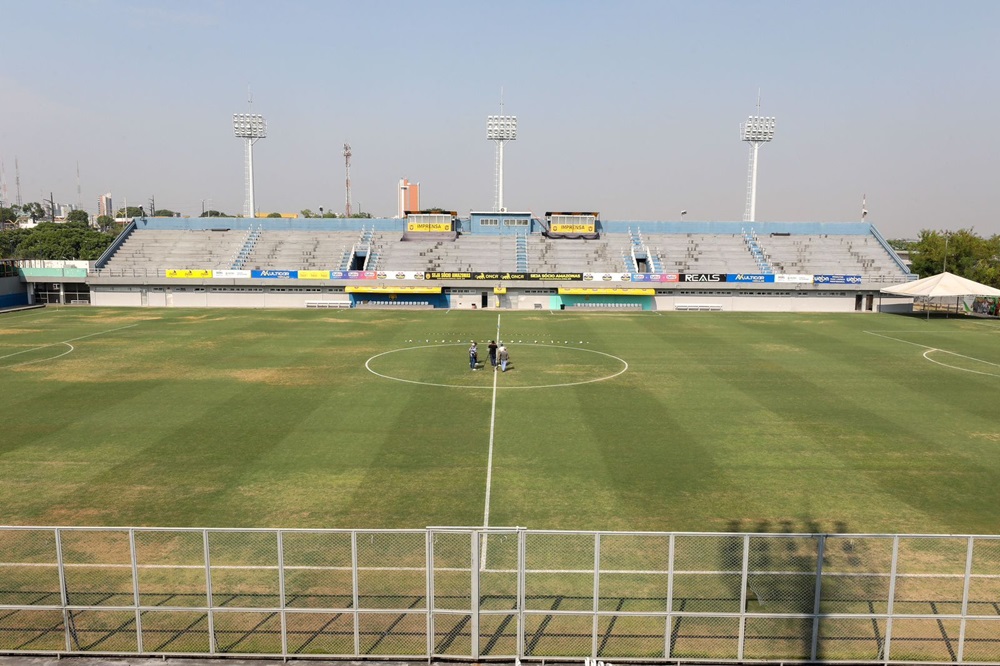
[583,291]
[188,273]
[392,290]
[429,226]
[572,228]
[499,290]
[314,275]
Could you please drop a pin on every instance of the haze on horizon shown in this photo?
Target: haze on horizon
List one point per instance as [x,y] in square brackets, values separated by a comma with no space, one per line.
[628,108]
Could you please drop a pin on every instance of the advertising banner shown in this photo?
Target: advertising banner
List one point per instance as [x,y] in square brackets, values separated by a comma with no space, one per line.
[572,228]
[749,278]
[703,277]
[232,274]
[188,273]
[314,275]
[279,275]
[836,279]
[607,291]
[392,290]
[429,226]
[506,277]
[353,275]
[656,277]
[400,275]
[793,277]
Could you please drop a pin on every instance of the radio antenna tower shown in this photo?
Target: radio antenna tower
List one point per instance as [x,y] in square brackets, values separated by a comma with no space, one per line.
[500,129]
[79,196]
[757,130]
[3,185]
[17,181]
[251,127]
[347,166]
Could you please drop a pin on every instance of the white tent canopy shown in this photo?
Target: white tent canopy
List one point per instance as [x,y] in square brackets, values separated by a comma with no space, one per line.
[942,286]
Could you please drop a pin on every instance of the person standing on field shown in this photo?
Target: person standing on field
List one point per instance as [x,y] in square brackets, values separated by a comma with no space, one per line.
[473,356]
[504,356]
[493,353]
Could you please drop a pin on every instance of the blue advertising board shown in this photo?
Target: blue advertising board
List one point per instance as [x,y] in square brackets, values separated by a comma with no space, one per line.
[281,275]
[836,279]
[749,278]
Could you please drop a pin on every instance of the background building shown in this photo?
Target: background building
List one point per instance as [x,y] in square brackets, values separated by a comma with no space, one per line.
[409,197]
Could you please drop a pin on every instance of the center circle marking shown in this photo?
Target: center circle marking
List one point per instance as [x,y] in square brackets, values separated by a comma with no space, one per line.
[499,388]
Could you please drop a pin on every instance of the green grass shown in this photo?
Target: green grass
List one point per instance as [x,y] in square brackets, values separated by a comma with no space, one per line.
[722,421]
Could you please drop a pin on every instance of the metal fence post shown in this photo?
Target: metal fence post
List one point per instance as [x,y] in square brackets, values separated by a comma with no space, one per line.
[817,596]
[135,591]
[354,593]
[474,583]
[208,593]
[743,596]
[597,594]
[965,599]
[521,564]
[667,647]
[63,595]
[429,590]
[886,646]
[281,594]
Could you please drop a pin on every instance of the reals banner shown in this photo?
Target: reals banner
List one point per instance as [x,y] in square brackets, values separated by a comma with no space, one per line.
[703,277]
[837,279]
[429,226]
[749,278]
[275,275]
[655,277]
[353,275]
[507,277]
[188,273]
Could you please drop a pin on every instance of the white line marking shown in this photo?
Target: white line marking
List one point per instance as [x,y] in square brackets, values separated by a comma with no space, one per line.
[489,458]
[51,358]
[501,388]
[931,350]
[62,342]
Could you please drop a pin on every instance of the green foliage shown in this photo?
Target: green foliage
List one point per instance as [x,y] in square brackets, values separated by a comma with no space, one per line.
[78,216]
[278,215]
[69,240]
[164,212]
[214,213]
[960,252]
[105,222]
[133,211]
[306,212]
[8,216]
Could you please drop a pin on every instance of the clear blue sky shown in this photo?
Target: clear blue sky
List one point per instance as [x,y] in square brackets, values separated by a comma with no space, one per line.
[628,108]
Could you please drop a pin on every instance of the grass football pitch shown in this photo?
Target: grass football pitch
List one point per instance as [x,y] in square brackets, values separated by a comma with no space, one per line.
[610,421]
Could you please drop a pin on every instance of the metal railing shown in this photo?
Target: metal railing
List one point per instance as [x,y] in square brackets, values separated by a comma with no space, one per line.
[480,594]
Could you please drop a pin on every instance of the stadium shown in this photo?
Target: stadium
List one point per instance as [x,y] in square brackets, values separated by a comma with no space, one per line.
[261,438]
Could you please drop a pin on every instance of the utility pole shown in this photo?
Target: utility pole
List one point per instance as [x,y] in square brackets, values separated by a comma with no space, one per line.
[152,205]
[17,180]
[52,207]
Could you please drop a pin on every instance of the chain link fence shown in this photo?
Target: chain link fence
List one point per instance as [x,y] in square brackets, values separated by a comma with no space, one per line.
[481,594]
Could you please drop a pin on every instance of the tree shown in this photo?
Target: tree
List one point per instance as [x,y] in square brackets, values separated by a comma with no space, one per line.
[274,214]
[8,217]
[105,222]
[73,240]
[213,213]
[78,216]
[960,252]
[164,212]
[305,212]
[34,210]
[133,211]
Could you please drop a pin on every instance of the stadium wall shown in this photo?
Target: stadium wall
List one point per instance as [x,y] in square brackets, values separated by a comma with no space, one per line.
[12,292]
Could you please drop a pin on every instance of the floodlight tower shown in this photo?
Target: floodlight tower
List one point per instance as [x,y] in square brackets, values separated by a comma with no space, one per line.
[757,130]
[500,129]
[250,127]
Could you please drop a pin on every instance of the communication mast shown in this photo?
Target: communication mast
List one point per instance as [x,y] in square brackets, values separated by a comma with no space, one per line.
[17,181]
[757,130]
[347,166]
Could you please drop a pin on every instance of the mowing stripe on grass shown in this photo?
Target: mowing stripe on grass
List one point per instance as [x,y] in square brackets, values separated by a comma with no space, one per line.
[931,350]
[63,342]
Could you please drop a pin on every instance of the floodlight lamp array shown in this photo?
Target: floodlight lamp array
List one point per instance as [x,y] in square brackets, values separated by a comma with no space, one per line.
[757,129]
[249,126]
[501,128]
